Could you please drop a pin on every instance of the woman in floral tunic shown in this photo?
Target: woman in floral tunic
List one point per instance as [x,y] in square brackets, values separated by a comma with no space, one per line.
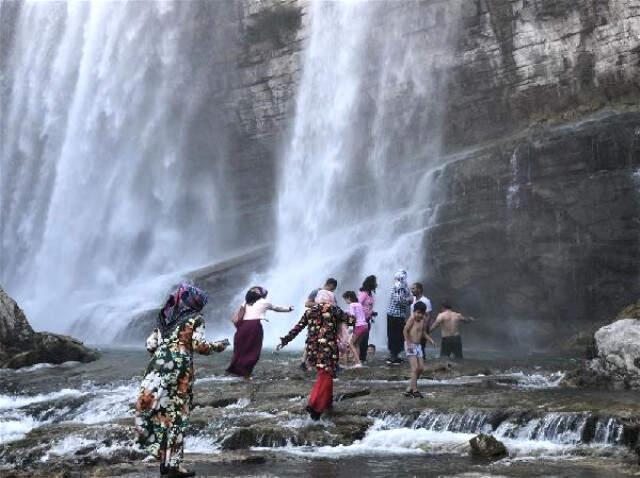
[165,397]
[323,322]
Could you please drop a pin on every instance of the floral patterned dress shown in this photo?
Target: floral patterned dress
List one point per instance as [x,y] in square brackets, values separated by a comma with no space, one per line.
[165,397]
[323,321]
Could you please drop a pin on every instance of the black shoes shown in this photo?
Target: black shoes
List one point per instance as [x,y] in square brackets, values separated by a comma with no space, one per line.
[394,361]
[315,416]
[411,394]
[175,472]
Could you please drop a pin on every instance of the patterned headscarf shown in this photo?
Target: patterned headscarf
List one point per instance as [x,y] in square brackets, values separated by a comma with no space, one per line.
[183,303]
[401,278]
[325,297]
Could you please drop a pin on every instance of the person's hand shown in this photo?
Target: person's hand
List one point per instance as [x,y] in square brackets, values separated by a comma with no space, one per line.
[279,347]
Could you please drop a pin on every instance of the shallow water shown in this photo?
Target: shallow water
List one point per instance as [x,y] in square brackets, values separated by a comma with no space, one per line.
[545,425]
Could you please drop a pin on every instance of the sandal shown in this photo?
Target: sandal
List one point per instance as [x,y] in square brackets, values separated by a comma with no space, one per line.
[417,394]
[408,394]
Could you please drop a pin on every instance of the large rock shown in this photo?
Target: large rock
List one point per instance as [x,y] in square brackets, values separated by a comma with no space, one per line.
[618,346]
[486,446]
[20,346]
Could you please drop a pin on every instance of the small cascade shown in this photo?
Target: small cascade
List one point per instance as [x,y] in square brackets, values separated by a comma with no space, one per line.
[563,428]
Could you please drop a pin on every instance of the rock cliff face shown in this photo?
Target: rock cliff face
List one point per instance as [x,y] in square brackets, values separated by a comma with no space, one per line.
[537,195]
[537,218]
[20,346]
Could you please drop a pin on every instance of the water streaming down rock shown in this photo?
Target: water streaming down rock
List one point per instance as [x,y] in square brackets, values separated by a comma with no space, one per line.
[562,428]
[354,196]
[114,154]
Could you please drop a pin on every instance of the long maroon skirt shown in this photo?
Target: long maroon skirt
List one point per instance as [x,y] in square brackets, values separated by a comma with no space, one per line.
[247,345]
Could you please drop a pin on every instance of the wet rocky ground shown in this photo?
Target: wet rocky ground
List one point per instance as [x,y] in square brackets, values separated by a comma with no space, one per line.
[76,420]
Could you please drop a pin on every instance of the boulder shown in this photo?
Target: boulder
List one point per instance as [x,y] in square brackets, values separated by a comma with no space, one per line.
[486,446]
[21,346]
[618,351]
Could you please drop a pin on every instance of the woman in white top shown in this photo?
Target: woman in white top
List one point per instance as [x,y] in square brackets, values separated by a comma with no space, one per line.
[247,341]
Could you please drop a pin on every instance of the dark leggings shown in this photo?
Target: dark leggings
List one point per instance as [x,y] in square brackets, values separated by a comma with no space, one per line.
[364,343]
[395,335]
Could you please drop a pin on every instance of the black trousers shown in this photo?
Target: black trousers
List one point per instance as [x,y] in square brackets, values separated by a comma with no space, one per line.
[395,335]
[364,343]
[451,345]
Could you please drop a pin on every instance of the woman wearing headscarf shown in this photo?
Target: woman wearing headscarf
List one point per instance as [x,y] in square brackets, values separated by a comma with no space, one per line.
[397,313]
[165,398]
[247,341]
[367,298]
[322,320]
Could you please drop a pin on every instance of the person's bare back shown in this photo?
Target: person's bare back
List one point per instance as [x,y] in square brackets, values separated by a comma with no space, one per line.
[449,322]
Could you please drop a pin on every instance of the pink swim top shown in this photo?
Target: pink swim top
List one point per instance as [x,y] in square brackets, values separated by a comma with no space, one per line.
[356,309]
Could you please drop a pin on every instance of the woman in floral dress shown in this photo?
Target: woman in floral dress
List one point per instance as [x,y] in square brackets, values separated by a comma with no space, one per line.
[165,397]
[323,321]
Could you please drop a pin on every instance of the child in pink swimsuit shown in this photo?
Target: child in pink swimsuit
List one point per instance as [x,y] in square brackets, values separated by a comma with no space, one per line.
[361,327]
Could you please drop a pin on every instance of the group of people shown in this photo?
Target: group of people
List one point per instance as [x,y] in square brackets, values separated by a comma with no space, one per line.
[165,398]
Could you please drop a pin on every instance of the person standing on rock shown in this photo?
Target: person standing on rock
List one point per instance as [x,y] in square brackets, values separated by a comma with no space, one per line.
[397,312]
[417,291]
[165,398]
[367,298]
[322,321]
[330,285]
[449,321]
[415,333]
[247,341]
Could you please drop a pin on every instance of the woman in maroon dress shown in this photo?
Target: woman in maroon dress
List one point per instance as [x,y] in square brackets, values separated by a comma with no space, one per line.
[247,342]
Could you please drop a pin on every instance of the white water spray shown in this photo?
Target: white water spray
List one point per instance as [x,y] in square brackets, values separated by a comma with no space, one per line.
[113,156]
[354,194]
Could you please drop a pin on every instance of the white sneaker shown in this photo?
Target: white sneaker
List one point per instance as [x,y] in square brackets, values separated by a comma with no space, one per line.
[358,365]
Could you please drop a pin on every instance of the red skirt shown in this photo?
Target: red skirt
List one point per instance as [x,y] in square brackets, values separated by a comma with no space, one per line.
[321,397]
[247,345]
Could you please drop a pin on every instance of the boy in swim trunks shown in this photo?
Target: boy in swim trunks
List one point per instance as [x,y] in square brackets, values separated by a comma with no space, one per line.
[414,332]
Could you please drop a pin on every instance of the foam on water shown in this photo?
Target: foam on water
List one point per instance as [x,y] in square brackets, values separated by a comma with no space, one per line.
[8,402]
[68,446]
[217,378]
[241,403]
[104,403]
[201,444]
[16,426]
[108,404]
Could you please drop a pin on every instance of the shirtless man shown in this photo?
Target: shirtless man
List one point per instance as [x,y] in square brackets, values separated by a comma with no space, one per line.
[449,322]
[415,331]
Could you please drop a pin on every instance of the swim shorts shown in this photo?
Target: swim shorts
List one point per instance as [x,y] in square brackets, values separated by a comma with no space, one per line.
[413,350]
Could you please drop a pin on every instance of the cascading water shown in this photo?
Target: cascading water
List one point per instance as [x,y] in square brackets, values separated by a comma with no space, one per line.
[114,154]
[354,197]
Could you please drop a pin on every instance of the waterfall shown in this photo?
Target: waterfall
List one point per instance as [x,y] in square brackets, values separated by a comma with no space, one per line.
[354,192]
[114,154]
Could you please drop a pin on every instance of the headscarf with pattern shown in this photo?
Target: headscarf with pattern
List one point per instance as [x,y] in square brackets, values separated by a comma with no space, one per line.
[401,279]
[186,301]
[325,297]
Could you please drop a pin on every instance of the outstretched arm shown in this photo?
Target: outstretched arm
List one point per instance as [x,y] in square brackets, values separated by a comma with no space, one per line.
[277,308]
[436,324]
[465,318]
[199,342]
[293,333]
